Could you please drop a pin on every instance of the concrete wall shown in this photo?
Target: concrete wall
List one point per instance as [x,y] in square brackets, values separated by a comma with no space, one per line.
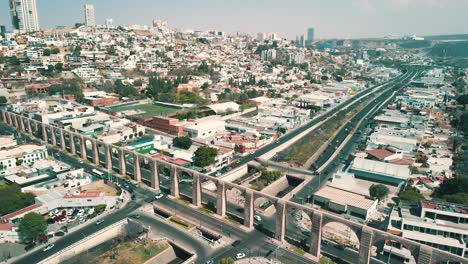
[277,186]
[166,256]
[87,243]
[228,177]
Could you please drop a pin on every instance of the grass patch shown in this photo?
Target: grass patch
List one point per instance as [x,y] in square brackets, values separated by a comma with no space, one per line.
[298,153]
[266,178]
[298,250]
[206,210]
[231,220]
[183,200]
[150,110]
[176,220]
[132,252]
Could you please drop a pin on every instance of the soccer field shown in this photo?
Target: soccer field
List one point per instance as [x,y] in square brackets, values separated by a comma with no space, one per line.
[149,110]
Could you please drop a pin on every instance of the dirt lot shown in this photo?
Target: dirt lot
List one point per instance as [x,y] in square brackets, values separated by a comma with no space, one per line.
[100,186]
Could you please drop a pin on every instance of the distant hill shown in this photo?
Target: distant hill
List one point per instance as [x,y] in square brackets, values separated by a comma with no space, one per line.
[415,44]
[458,49]
[448,37]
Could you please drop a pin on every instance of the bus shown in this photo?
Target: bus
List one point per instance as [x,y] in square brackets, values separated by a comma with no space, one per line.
[99,174]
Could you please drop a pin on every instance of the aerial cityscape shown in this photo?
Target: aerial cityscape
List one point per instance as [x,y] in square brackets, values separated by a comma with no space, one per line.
[199,132]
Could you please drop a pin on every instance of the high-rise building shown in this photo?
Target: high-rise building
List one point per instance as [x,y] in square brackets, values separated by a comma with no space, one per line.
[261,36]
[301,41]
[24,15]
[90,19]
[269,54]
[310,36]
[109,22]
[2,30]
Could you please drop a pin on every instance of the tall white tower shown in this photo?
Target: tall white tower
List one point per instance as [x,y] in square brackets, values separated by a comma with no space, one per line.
[24,15]
[90,19]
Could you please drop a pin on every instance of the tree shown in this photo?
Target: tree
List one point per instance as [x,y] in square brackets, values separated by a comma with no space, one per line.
[3,100]
[463,99]
[31,227]
[13,199]
[411,195]
[46,52]
[99,208]
[204,156]
[54,50]
[204,85]
[182,142]
[378,191]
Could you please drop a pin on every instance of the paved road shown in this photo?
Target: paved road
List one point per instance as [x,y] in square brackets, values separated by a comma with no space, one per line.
[316,120]
[249,241]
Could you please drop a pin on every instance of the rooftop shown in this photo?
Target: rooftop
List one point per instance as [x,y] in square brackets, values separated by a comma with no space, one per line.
[446,207]
[342,196]
[83,195]
[388,169]
[20,211]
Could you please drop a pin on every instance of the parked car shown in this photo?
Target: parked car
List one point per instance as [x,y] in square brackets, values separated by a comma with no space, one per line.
[240,255]
[59,233]
[29,246]
[159,196]
[100,221]
[48,247]
[257,218]
[236,243]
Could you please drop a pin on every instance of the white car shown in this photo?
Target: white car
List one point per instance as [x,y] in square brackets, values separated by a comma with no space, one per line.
[48,247]
[159,196]
[71,219]
[240,255]
[257,218]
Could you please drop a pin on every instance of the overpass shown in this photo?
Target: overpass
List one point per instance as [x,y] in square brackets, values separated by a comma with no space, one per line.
[77,144]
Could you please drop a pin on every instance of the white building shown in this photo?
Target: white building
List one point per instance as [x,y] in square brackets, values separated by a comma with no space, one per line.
[343,201]
[269,54]
[27,153]
[90,19]
[24,15]
[440,225]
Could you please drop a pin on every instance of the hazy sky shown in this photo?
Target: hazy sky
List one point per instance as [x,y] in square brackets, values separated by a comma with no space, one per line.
[331,18]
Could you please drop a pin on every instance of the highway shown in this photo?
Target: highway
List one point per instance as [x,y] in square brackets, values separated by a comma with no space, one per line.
[291,134]
[257,242]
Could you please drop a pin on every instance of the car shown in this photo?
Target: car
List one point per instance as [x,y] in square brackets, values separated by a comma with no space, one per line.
[240,255]
[228,168]
[218,174]
[48,247]
[137,216]
[82,220]
[29,247]
[325,242]
[100,221]
[71,219]
[236,243]
[81,162]
[257,218]
[159,196]
[209,261]
[59,233]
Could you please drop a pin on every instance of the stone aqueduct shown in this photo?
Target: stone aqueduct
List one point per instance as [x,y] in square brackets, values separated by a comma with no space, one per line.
[367,236]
